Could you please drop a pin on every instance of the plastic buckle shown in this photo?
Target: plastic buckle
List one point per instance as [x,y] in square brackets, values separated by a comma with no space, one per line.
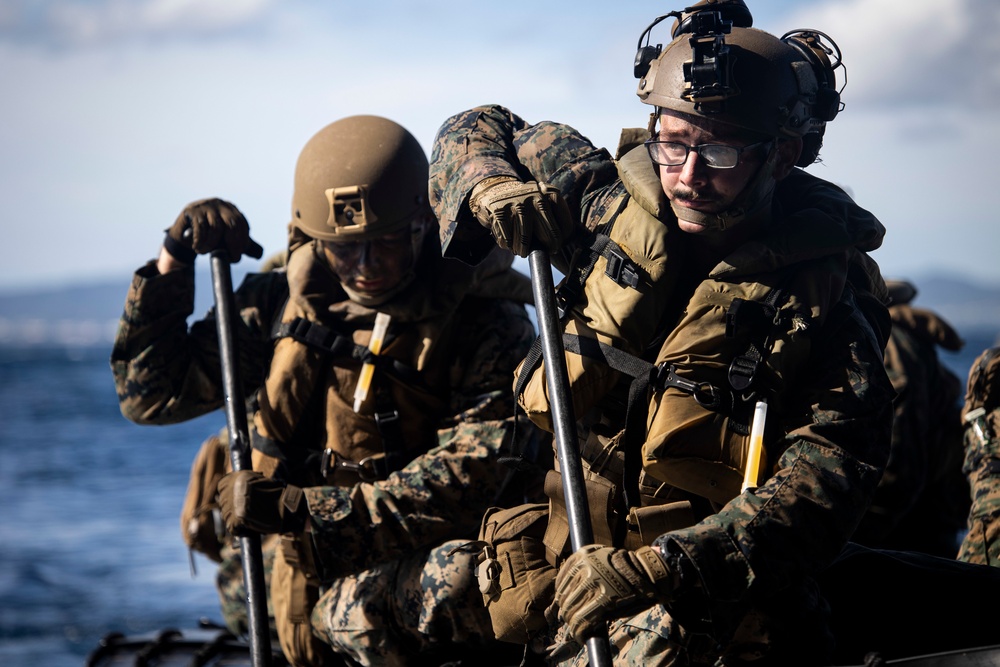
[386,418]
[741,372]
[620,268]
[367,470]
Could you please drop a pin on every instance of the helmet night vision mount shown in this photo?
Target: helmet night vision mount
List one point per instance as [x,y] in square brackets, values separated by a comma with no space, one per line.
[718,66]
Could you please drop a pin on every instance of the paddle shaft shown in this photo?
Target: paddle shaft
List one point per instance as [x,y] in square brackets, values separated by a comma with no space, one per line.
[564,424]
[239,454]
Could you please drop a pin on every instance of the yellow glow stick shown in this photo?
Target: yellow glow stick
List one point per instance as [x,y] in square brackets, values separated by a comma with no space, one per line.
[756,445]
[367,369]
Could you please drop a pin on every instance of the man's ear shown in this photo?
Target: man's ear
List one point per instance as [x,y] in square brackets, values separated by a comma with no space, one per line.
[788,154]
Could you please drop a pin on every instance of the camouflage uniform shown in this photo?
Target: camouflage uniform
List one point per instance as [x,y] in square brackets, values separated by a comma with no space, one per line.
[233,594]
[981,415]
[922,502]
[381,537]
[167,373]
[747,567]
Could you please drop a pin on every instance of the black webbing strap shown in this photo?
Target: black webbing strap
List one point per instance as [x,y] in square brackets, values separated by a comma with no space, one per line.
[390,428]
[756,320]
[317,337]
[387,416]
[759,317]
[341,345]
[637,408]
[620,269]
[639,370]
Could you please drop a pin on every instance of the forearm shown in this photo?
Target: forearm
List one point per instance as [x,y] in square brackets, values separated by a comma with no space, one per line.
[823,482]
[165,372]
[491,141]
[438,496]
[158,377]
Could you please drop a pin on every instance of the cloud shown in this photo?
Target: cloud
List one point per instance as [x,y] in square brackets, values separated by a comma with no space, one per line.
[108,130]
[70,25]
[917,54]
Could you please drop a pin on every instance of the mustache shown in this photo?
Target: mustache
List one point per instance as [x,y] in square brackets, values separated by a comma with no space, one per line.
[707,195]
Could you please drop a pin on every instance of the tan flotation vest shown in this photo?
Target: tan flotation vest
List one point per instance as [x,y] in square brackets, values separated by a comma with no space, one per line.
[614,292]
[305,415]
[744,335]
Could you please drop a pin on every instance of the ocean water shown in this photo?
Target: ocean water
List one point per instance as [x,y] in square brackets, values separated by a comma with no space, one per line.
[89,534]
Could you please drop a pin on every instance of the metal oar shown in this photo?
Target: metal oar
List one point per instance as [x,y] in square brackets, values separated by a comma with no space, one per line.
[564,425]
[239,453]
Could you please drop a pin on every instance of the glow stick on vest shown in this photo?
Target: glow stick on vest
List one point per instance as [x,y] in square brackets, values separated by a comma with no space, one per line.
[756,444]
[375,347]
[977,419]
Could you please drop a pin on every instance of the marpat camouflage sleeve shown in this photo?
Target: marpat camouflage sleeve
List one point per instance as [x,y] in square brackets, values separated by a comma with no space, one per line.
[166,372]
[441,494]
[836,443]
[492,141]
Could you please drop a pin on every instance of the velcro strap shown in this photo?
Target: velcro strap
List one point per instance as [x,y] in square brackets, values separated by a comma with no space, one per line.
[654,565]
[182,253]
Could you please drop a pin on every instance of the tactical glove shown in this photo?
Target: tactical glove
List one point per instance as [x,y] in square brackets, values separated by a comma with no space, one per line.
[253,503]
[522,216]
[598,584]
[207,225]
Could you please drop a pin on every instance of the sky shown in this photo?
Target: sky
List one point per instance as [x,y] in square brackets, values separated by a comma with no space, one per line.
[114,114]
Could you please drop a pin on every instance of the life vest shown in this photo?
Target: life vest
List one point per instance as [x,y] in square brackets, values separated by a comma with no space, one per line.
[306,429]
[744,335]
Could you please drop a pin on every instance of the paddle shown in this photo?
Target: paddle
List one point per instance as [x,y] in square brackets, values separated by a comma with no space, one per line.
[239,452]
[564,424]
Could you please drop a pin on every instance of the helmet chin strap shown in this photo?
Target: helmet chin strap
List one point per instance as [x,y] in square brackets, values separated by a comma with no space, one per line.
[754,198]
[373,300]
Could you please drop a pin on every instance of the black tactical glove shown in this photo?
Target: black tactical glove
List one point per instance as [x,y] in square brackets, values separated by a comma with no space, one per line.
[253,503]
[598,584]
[522,216]
[207,225]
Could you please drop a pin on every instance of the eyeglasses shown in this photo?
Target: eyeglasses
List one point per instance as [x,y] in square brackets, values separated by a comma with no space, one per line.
[717,156]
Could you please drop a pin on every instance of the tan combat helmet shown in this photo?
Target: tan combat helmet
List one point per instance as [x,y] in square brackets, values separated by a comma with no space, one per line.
[358,178]
[719,68]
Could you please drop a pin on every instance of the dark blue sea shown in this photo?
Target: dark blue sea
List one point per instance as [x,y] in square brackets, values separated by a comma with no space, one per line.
[89,533]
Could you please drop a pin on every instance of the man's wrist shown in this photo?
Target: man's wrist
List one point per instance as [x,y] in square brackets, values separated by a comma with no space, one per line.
[179,251]
[167,262]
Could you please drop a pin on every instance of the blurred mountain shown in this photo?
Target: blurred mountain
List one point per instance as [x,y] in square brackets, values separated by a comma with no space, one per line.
[87,314]
[80,315]
[967,304]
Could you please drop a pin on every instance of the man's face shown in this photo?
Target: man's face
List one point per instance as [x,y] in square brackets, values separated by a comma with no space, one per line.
[694,184]
[377,265]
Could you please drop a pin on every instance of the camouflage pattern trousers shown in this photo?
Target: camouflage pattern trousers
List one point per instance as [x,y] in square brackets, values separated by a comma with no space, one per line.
[427,604]
[791,628]
[232,593]
[648,638]
[653,637]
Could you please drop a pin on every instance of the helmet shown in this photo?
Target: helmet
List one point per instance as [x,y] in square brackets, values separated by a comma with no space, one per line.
[357,178]
[746,78]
